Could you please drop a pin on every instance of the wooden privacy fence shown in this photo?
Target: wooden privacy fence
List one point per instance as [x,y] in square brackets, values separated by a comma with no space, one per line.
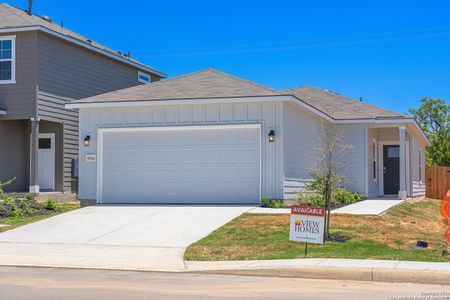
[438,181]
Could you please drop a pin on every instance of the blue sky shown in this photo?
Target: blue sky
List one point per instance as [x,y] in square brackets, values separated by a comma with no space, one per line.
[391,53]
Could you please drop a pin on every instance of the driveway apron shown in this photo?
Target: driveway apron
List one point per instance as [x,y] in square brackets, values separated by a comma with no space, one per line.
[151,237]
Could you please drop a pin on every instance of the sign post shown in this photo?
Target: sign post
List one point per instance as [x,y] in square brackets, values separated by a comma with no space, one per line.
[307,225]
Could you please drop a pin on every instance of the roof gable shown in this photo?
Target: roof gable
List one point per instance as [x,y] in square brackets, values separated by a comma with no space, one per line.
[204,84]
[12,17]
[210,84]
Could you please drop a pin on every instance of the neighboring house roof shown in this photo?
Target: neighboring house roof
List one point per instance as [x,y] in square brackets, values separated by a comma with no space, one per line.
[210,83]
[12,17]
[339,107]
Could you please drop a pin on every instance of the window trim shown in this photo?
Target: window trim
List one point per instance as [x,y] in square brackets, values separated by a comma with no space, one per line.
[144,74]
[374,160]
[11,38]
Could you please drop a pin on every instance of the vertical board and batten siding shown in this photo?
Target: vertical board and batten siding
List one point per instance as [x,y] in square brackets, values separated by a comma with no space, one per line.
[19,99]
[67,72]
[269,115]
[301,139]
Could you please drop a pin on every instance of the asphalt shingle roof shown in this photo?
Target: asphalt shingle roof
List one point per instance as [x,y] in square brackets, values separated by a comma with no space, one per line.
[199,85]
[13,17]
[340,107]
[211,83]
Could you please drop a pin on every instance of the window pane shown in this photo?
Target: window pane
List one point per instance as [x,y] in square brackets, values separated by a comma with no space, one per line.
[5,54]
[5,70]
[144,78]
[374,170]
[393,152]
[5,45]
[45,144]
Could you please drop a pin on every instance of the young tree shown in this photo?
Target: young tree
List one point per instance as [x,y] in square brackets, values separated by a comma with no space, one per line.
[433,116]
[329,173]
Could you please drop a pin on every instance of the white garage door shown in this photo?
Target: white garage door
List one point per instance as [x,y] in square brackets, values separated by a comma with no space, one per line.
[195,164]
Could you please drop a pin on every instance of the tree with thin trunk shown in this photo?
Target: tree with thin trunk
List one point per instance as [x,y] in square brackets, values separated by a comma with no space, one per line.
[329,172]
[433,116]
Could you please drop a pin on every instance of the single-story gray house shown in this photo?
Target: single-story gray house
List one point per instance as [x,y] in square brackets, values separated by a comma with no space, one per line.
[209,137]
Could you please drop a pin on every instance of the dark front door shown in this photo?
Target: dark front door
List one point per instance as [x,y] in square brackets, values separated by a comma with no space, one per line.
[391,162]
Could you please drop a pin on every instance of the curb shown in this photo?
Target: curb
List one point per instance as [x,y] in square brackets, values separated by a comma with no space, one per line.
[341,273]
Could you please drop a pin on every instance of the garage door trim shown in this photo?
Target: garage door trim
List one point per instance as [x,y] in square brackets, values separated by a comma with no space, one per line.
[101,131]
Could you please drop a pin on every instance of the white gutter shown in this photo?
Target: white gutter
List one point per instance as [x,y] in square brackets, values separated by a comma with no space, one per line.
[167,102]
[85,45]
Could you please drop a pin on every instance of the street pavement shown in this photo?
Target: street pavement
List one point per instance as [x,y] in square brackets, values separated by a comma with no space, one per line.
[24,283]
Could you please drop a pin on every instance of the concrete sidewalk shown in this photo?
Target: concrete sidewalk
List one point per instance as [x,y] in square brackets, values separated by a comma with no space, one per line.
[369,207]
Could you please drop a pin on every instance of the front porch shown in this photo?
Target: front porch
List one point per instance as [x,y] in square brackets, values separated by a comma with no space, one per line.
[396,162]
[32,152]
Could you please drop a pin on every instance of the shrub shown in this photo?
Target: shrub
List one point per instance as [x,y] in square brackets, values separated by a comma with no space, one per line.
[11,205]
[272,203]
[342,196]
[50,204]
[29,197]
[310,199]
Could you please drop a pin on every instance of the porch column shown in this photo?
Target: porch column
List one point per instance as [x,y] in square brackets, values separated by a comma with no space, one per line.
[34,156]
[402,157]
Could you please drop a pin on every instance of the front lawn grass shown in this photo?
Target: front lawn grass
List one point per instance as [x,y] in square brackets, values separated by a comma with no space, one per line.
[20,221]
[256,236]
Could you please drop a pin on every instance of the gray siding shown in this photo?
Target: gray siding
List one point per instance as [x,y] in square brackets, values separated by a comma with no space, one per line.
[301,132]
[269,115]
[67,72]
[373,154]
[355,161]
[417,181]
[14,156]
[19,99]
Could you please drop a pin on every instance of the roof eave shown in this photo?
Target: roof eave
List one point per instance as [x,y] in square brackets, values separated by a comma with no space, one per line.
[85,45]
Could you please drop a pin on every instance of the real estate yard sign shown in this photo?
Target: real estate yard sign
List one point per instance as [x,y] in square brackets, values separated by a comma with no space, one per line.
[307,224]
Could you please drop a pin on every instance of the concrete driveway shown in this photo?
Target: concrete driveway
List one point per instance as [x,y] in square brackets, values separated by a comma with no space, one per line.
[114,237]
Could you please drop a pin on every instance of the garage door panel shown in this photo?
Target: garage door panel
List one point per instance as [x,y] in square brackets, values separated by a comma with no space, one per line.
[182,166]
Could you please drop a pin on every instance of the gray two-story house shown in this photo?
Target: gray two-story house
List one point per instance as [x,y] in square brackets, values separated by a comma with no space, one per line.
[42,67]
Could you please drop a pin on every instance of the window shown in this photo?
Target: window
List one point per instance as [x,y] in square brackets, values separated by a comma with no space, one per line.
[374,160]
[393,152]
[420,165]
[45,143]
[143,77]
[7,60]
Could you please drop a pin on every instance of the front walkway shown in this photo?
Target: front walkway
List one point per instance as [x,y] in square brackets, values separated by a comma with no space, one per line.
[152,237]
[369,207]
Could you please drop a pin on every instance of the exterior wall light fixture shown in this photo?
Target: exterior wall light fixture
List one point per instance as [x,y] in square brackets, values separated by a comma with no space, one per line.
[271,136]
[87,140]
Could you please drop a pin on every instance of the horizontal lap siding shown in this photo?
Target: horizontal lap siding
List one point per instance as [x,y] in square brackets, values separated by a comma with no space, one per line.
[354,163]
[418,182]
[269,115]
[301,139]
[19,99]
[52,108]
[67,72]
